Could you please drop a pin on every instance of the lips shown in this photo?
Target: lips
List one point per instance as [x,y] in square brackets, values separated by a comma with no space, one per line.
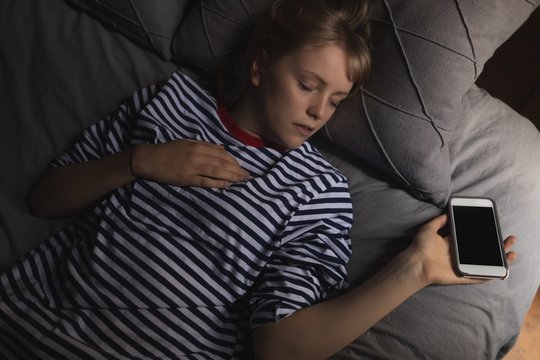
[304,129]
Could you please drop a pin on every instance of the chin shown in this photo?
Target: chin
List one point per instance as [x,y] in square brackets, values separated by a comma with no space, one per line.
[294,142]
[288,141]
[291,145]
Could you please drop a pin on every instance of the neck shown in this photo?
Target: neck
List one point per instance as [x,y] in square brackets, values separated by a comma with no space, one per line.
[243,114]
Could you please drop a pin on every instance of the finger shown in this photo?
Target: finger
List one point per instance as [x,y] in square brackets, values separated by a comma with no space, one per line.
[227,166]
[509,242]
[227,172]
[511,257]
[213,150]
[470,281]
[220,165]
[214,183]
[206,182]
[437,223]
[223,156]
[210,160]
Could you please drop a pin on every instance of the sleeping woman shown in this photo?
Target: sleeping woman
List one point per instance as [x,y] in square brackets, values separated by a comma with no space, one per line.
[206,226]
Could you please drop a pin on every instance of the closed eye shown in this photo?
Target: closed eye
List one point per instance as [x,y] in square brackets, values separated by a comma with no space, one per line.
[305,87]
[335,104]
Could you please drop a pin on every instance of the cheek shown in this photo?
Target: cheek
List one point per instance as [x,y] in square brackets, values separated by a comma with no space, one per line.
[283,98]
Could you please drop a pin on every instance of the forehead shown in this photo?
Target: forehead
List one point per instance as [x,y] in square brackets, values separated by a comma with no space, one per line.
[328,62]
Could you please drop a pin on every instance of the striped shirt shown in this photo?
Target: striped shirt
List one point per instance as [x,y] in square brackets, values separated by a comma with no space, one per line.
[162,271]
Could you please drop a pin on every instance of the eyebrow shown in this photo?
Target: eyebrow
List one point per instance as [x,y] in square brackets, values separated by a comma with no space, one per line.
[324,83]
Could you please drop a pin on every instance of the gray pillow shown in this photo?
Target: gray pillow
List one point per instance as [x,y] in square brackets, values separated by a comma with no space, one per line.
[427,54]
[210,31]
[150,23]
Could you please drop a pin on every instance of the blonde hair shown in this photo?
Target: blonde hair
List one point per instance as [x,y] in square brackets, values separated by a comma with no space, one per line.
[289,25]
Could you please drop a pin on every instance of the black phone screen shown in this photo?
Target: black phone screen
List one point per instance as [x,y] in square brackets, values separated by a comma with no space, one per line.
[476,236]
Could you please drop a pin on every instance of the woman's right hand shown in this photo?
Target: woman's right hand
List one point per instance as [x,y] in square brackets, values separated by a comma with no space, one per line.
[187,162]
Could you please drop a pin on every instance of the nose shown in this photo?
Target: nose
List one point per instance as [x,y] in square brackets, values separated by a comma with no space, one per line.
[317,108]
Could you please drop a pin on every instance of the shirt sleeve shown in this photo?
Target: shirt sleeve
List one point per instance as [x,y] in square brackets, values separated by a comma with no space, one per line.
[110,135]
[311,262]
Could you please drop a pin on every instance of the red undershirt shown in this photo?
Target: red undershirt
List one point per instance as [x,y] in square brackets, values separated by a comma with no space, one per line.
[240,134]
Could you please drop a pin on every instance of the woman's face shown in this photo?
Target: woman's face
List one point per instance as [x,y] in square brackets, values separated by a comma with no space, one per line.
[296,95]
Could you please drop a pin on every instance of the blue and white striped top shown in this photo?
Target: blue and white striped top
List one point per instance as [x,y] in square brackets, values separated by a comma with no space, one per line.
[161,271]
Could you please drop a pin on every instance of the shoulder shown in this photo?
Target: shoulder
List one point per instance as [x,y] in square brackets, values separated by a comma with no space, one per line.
[181,100]
[309,157]
[180,80]
[181,91]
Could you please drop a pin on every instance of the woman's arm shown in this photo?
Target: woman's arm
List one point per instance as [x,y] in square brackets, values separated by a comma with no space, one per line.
[66,190]
[323,329]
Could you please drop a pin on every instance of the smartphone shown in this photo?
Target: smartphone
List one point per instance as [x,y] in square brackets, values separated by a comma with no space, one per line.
[476,237]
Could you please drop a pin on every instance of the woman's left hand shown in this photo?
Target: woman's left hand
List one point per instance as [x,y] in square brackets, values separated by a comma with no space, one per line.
[433,254]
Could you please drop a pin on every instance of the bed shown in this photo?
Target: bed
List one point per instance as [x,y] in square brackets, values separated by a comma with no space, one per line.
[419,131]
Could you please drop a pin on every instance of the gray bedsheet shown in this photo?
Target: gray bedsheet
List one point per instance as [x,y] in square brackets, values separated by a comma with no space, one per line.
[60,70]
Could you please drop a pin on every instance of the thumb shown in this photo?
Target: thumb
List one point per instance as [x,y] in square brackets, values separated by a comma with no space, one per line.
[437,223]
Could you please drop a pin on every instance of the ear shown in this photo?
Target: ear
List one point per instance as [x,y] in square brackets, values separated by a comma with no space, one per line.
[257,66]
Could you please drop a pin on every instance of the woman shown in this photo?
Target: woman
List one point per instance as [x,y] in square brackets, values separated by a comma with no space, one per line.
[214,221]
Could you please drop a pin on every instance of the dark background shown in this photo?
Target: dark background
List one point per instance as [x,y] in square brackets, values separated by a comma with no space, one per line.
[513,73]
